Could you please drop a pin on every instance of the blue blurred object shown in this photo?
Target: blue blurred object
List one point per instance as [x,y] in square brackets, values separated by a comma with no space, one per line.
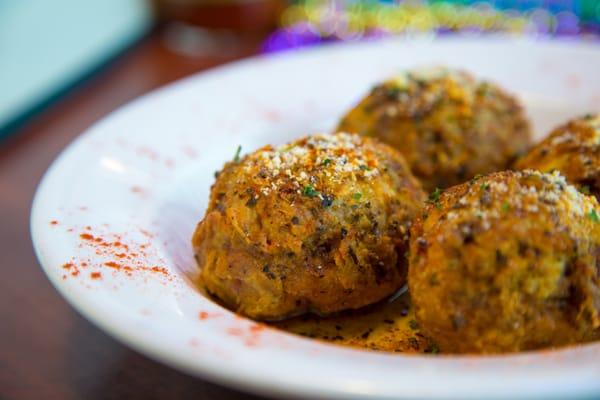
[46,47]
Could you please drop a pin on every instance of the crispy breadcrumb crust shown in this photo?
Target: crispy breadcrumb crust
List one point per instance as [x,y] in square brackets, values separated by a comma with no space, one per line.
[574,150]
[507,262]
[448,125]
[318,225]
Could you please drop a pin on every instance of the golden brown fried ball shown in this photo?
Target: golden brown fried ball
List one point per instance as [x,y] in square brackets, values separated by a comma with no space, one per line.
[574,150]
[506,263]
[449,126]
[318,225]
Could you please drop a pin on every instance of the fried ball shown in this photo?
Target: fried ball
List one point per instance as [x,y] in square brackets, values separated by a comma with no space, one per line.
[449,126]
[318,225]
[574,150]
[506,263]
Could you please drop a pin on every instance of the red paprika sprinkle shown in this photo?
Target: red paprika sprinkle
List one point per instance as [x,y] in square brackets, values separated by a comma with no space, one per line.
[111,251]
[112,264]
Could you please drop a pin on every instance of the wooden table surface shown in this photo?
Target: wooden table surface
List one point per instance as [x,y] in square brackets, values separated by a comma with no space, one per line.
[47,350]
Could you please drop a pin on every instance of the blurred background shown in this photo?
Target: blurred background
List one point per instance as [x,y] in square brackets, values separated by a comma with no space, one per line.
[47,47]
[65,64]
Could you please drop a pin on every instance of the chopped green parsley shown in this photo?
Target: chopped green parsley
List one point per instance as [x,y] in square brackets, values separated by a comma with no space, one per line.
[434,197]
[236,157]
[310,191]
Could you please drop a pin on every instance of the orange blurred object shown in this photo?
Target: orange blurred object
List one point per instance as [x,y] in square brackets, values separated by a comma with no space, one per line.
[235,15]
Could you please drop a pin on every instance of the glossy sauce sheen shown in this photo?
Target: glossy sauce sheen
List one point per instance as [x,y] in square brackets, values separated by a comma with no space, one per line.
[388,326]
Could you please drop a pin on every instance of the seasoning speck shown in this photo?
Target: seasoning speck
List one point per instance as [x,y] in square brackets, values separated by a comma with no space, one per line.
[327,201]
[366,333]
[414,343]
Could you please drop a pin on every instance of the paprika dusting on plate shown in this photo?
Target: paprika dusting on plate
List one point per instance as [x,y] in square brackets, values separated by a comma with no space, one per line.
[72,268]
[127,258]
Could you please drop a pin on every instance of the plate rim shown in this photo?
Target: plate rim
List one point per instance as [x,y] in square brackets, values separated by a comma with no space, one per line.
[101,319]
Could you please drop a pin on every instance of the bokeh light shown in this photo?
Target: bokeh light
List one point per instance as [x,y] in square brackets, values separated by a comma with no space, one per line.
[309,22]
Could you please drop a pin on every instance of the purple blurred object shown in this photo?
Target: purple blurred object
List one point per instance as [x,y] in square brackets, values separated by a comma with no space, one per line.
[567,23]
[295,36]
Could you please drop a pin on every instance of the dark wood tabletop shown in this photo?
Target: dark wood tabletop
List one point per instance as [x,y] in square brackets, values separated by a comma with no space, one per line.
[47,350]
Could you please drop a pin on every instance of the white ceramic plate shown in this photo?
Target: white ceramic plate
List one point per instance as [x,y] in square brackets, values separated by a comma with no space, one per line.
[113,217]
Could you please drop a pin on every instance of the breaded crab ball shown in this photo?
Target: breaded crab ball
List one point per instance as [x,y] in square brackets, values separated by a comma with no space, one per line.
[507,262]
[317,225]
[574,150]
[448,125]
